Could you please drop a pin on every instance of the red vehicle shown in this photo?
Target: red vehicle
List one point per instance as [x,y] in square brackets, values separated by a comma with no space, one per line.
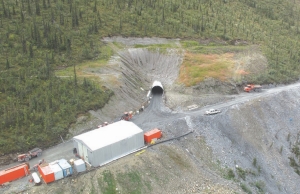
[127,116]
[31,154]
[252,88]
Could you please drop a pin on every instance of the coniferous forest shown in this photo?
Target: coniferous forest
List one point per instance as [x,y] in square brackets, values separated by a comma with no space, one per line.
[39,37]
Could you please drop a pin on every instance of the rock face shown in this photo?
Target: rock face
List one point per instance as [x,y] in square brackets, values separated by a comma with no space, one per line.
[213,86]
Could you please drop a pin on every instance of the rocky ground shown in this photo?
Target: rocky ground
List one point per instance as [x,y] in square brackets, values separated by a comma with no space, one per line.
[244,149]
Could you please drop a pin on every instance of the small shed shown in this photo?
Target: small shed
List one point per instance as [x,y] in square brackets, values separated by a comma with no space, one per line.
[66,167]
[105,144]
[79,165]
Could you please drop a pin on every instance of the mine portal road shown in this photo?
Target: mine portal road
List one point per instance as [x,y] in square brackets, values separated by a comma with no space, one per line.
[144,120]
[64,150]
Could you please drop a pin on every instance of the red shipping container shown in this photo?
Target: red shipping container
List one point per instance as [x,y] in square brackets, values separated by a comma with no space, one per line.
[14,173]
[46,173]
[150,135]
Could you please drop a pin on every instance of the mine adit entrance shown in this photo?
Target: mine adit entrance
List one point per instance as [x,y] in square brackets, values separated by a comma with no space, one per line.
[157,88]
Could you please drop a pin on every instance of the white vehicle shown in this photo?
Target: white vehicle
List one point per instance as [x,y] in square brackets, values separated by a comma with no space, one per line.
[212,112]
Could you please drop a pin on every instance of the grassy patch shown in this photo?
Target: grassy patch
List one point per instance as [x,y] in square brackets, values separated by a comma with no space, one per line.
[93,190]
[131,182]
[229,175]
[241,173]
[189,44]
[294,161]
[246,189]
[260,185]
[254,162]
[197,67]
[176,157]
[155,46]
[108,183]
[163,48]
[217,49]
[82,69]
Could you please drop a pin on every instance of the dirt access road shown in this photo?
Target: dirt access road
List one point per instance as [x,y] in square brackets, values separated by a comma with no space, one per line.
[157,114]
[63,150]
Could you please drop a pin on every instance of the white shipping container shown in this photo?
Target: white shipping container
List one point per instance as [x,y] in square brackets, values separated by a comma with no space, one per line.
[79,165]
[58,173]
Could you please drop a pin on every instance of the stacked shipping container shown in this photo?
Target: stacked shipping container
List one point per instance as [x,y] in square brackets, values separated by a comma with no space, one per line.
[55,170]
[49,172]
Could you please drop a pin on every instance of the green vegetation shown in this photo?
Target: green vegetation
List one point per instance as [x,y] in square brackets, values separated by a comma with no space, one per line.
[281,148]
[260,185]
[175,157]
[93,190]
[246,189]
[254,162]
[241,173]
[108,184]
[230,174]
[196,67]
[39,37]
[295,160]
[131,182]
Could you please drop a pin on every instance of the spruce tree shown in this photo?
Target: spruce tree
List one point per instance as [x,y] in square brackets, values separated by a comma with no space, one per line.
[7,64]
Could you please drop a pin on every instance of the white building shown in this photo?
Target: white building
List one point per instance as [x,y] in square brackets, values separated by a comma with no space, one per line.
[108,143]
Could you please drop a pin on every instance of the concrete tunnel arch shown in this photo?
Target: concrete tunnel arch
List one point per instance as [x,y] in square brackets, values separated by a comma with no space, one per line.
[157,88]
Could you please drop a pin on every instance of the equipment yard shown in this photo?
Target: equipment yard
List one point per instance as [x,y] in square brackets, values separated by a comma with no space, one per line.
[244,148]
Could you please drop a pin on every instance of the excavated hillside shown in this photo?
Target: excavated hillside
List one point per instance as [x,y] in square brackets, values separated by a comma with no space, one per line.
[247,148]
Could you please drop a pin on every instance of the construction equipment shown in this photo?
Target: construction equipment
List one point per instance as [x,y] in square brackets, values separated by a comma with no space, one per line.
[252,88]
[35,167]
[212,112]
[127,116]
[31,154]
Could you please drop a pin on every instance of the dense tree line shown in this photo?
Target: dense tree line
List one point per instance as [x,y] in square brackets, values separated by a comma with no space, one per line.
[36,107]
[39,36]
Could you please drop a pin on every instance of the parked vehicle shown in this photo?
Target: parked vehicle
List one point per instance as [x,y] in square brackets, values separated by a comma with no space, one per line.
[127,116]
[31,154]
[252,88]
[212,112]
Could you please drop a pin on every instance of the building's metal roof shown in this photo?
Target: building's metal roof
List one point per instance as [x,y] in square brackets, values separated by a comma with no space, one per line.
[109,134]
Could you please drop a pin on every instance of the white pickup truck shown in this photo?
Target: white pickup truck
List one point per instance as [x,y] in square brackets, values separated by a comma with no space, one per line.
[212,112]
